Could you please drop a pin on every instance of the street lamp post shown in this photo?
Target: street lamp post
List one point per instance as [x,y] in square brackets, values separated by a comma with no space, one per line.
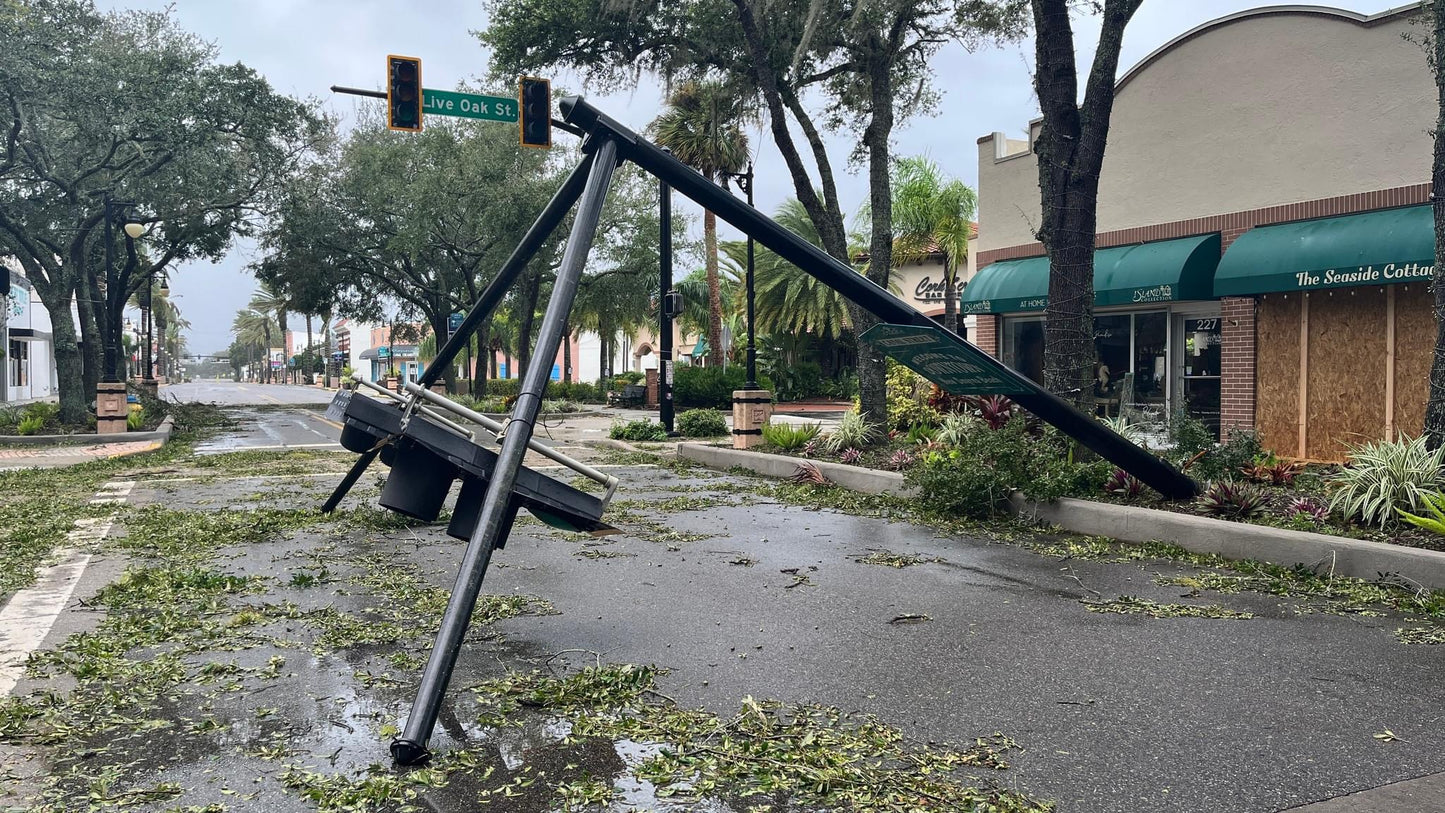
[745,180]
[110,402]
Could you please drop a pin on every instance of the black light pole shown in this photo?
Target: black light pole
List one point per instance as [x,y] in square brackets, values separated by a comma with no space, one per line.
[664,339]
[745,180]
[752,382]
[112,327]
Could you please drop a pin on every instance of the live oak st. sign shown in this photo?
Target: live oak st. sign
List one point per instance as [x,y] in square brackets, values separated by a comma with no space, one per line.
[468,105]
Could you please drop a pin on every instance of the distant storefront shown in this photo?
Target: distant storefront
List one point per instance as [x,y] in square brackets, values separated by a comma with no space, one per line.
[1265,242]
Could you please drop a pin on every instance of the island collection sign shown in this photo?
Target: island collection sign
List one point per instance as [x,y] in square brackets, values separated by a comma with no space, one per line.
[946,360]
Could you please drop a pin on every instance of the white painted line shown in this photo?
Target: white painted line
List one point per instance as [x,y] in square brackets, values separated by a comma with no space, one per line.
[31,613]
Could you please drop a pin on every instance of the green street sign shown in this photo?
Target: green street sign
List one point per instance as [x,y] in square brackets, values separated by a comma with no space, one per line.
[468,105]
[944,359]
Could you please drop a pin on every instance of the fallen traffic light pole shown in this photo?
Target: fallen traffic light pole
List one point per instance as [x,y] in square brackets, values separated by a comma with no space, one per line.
[428,451]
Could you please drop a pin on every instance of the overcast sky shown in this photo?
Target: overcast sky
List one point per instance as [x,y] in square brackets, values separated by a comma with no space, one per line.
[305,46]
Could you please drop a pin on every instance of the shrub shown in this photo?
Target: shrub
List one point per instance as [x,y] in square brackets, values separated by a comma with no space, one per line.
[810,448]
[1307,508]
[842,388]
[1123,484]
[1228,498]
[503,387]
[851,432]
[1273,472]
[790,436]
[907,395]
[900,460]
[638,430]
[553,406]
[975,478]
[851,456]
[1124,428]
[798,380]
[710,387]
[955,429]
[579,391]
[702,423]
[1386,477]
[135,420]
[995,410]
[9,418]
[30,425]
[921,433]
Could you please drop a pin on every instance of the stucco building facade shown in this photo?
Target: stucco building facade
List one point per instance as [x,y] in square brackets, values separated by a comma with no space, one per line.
[1265,240]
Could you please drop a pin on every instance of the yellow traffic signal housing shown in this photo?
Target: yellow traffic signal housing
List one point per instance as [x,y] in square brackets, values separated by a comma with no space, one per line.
[535,103]
[403,93]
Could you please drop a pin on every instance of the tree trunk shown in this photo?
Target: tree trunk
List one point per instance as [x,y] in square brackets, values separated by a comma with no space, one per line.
[950,295]
[1070,156]
[308,331]
[531,291]
[567,352]
[89,306]
[872,366]
[714,291]
[1435,406]
[74,397]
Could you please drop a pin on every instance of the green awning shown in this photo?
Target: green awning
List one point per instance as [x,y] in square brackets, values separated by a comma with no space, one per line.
[1008,286]
[1164,271]
[1374,248]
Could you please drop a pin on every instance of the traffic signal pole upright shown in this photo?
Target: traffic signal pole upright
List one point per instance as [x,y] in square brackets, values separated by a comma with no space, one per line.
[664,337]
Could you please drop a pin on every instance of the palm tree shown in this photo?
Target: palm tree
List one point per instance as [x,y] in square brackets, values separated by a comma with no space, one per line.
[267,299]
[933,215]
[789,300]
[253,327]
[701,126]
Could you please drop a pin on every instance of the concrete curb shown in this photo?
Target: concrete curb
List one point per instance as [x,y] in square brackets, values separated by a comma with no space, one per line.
[856,478]
[161,433]
[1239,540]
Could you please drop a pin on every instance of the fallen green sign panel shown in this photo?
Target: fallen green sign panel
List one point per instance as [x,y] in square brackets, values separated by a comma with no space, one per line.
[944,359]
[468,105]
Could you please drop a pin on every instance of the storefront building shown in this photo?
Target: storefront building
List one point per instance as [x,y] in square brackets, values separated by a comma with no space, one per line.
[1265,243]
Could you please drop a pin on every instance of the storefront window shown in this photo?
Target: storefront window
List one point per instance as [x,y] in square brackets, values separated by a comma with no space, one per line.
[1023,347]
[1151,367]
[19,363]
[1201,362]
[1111,370]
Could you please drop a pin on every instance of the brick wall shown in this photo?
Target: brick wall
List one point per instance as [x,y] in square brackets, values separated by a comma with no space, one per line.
[1237,346]
[1231,225]
[987,337]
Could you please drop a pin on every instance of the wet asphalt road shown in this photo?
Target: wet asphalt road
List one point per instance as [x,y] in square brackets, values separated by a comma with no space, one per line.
[1115,713]
[233,393]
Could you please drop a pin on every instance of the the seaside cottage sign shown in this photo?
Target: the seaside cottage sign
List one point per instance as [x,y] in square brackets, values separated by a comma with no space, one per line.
[1365,275]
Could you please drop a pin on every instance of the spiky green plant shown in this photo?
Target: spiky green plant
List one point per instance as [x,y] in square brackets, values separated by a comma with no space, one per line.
[1124,428]
[1435,523]
[955,429]
[852,431]
[1227,498]
[1386,477]
[790,436]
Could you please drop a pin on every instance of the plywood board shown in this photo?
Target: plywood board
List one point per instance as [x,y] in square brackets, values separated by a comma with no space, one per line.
[1346,401]
[1277,357]
[1414,340]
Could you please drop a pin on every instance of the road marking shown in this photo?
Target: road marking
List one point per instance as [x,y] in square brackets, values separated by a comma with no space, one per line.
[28,617]
[325,419]
[273,447]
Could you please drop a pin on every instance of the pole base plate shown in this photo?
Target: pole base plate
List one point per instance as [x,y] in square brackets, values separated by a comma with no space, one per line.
[407,752]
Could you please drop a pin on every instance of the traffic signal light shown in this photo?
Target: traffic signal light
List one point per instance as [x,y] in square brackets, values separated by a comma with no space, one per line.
[535,97]
[403,93]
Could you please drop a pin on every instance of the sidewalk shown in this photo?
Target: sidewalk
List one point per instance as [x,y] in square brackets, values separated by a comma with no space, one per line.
[46,457]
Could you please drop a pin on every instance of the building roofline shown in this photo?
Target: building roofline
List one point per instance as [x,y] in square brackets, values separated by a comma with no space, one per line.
[1362,20]
[1345,15]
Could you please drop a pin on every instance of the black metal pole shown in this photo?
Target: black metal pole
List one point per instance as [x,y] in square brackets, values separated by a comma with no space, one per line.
[492,296]
[109,330]
[752,382]
[1154,472]
[497,505]
[665,411]
[150,323]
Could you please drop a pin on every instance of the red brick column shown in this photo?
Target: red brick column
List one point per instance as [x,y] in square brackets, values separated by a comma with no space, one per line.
[987,338]
[1237,345]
